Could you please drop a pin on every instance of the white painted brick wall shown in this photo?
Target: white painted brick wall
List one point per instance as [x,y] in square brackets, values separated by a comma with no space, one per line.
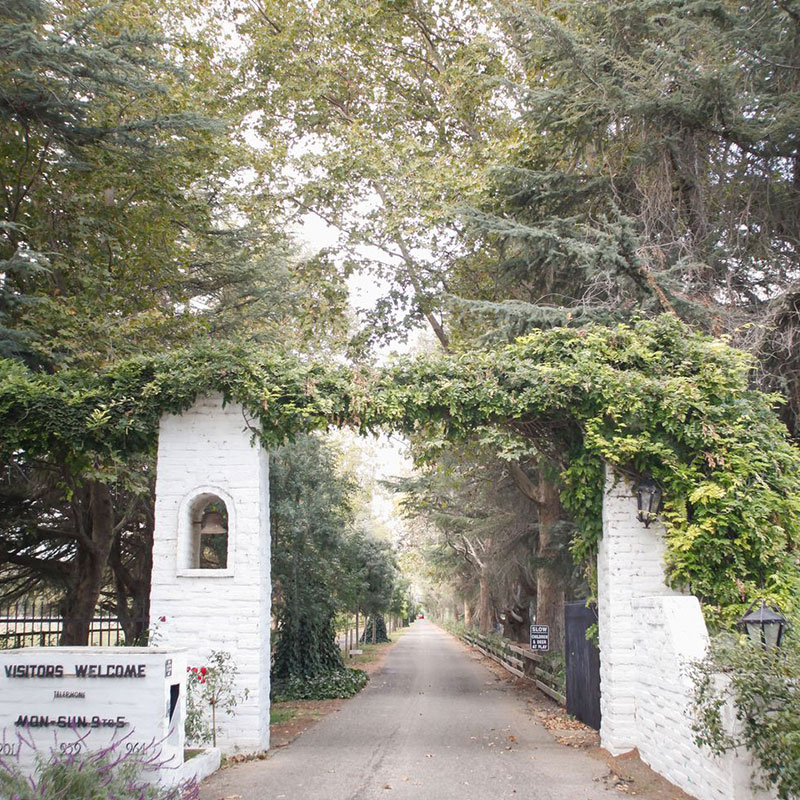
[630,563]
[669,633]
[648,636]
[210,449]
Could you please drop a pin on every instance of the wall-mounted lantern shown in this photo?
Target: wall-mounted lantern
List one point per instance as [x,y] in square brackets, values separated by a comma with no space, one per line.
[764,625]
[648,501]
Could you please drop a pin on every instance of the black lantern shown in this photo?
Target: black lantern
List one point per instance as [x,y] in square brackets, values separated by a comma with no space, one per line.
[648,500]
[764,625]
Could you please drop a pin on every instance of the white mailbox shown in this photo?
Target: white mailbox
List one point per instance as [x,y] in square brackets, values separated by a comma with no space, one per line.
[79,699]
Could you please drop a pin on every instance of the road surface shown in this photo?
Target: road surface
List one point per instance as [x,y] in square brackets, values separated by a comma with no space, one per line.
[434,724]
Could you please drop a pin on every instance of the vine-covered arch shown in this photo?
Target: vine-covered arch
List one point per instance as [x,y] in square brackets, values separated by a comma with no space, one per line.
[653,396]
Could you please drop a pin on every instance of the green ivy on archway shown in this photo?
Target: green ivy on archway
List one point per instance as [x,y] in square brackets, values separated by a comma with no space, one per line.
[652,397]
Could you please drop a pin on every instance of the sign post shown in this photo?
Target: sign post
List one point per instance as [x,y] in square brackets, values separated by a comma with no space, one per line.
[540,637]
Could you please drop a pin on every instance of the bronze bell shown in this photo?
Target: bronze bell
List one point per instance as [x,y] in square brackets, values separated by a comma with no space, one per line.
[213,522]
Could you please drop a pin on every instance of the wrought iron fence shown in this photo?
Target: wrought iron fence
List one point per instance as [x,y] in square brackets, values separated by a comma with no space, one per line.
[32,624]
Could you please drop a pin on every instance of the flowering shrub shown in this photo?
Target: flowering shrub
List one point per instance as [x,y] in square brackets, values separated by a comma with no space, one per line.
[207,689]
[198,726]
[152,636]
[196,675]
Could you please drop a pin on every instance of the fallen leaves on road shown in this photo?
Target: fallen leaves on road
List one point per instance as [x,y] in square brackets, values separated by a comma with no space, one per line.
[566,729]
[613,780]
[560,720]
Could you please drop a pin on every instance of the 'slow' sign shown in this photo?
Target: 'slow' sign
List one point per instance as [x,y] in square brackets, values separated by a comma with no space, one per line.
[540,637]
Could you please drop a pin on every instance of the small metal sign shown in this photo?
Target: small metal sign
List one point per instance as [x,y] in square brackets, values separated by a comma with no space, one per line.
[540,637]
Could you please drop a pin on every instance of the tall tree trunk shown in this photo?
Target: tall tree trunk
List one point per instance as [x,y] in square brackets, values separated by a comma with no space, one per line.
[90,567]
[549,584]
[467,613]
[484,604]
[131,562]
[132,590]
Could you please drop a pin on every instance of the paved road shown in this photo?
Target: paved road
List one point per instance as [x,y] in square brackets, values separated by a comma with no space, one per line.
[434,724]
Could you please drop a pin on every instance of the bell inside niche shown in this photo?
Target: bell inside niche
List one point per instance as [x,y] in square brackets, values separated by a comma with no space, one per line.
[213,550]
[213,523]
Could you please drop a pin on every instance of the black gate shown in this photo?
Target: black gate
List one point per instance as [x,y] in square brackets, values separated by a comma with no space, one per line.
[583,664]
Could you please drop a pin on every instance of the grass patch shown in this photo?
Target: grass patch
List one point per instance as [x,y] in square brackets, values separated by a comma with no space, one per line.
[370,653]
[277,716]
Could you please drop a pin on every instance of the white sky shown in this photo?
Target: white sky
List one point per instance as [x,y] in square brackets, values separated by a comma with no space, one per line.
[384,456]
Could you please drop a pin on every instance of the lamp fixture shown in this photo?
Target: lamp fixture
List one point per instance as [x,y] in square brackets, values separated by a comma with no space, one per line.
[648,501]
[764,625]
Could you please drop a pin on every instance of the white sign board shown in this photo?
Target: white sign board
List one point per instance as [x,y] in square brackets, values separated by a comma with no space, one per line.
[540,637]
[78,699]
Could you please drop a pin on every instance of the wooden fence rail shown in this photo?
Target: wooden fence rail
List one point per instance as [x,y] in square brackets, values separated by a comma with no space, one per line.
[348,635]
[523,663]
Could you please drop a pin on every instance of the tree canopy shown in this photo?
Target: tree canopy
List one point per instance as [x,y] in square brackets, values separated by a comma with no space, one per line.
[124,230]
[499,169]
[509,166]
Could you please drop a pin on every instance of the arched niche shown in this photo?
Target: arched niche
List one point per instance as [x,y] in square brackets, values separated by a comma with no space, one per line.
[206,534]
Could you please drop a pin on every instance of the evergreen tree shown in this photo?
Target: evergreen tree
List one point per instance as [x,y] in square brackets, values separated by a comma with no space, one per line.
[656,170]
[124,230]
[309,513]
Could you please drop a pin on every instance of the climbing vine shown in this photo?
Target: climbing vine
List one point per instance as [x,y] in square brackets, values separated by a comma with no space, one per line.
[652,397]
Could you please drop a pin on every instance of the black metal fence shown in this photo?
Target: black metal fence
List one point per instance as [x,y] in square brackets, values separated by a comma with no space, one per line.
[583,664]
[39,624]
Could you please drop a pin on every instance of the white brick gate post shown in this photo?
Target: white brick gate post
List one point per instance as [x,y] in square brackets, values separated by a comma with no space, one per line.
[649,636]
[208,461]
[630,565]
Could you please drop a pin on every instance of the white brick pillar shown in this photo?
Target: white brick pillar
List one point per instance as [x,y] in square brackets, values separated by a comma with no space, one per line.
[208,454]
[630,564]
